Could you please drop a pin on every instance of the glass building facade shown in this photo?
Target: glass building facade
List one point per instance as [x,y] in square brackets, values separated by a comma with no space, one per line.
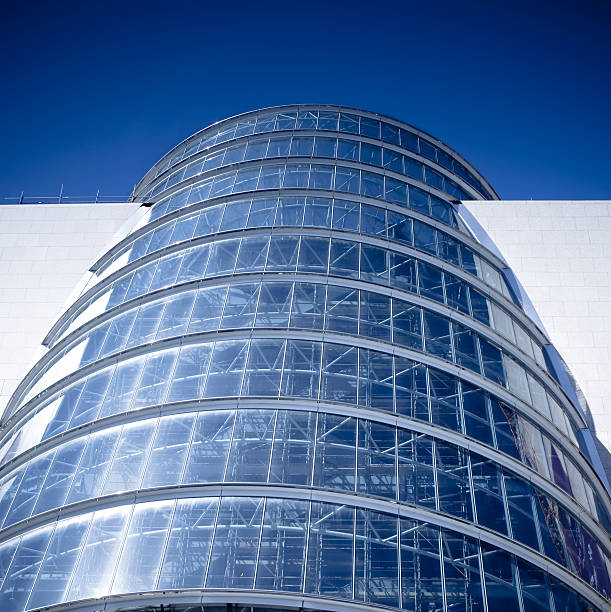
[300,382]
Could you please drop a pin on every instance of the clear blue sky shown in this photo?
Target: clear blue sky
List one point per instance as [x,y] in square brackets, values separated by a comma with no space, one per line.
[94,93]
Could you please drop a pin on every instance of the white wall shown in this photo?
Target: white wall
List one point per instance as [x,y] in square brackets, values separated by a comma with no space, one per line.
[45,250]
[561,252]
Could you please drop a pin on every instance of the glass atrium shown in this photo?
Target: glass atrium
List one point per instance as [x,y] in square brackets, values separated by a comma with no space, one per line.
[300,383]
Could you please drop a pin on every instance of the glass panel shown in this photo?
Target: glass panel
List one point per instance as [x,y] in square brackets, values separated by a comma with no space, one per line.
[488,494]
[190,372]
[313,255]
[346,179]
[98,558]
[344,259]
[59,561]
[253,253]
[251,446]
[376,460]
[375,319]
[416,483]
[403,273]
[262,212]
[421,583]
[396,191]
[437,335]
[328,120]
[499,571]
[29,489]
[91,398]
[335,452]
[520,500]
[462,573]
[425,237]
[209,447]
[410,388]
[282,551]
[445,409]
[236,540]
[222,257]
[290,212]
[376,558]
[293,448]
[325,147]
[283,253]
[430,281]
[262,376]
[302,146]
[186,557]
[271,177]
[240,306]
[346,216]
[226,369]
[475,410]
[371,154]
[342,313]
[456,293]
[349,123]
[372,185]
[130,455]
[453,485]
[390,133]
[279,147]
[207,309]
[330,551]
[301,369]
[145,326]
[317,212]
[94,466]
[60,476]
[370,127]
[169,451]
[176,316]
[339,374]
[23,569]
[465,347]
[374,264]
[285,121]
[235,216]
[296,176]
[375,380]
[373,221]
[154,380]
[407,324]
[274,305]
[143,547]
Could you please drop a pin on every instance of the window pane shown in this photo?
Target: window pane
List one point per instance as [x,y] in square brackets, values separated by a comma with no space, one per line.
[209,448]
[99,554]
[60,558]
[169,451]
[186,557]
[283,539]
[251,446]
[143,547]
[293,449]
[330,551]
[236,540]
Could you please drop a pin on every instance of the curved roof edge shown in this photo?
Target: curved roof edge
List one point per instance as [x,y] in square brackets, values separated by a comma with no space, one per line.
[335,107]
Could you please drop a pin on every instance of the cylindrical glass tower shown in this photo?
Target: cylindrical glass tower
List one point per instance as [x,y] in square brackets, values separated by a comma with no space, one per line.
[300,382]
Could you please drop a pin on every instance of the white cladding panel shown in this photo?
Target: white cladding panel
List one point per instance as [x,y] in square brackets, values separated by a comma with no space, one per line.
[561,253]
[45,253]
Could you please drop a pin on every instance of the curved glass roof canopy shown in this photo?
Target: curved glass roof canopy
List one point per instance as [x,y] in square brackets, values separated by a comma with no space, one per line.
[300,383]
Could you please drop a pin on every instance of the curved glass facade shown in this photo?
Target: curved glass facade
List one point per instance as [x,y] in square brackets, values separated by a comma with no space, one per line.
[300,382]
